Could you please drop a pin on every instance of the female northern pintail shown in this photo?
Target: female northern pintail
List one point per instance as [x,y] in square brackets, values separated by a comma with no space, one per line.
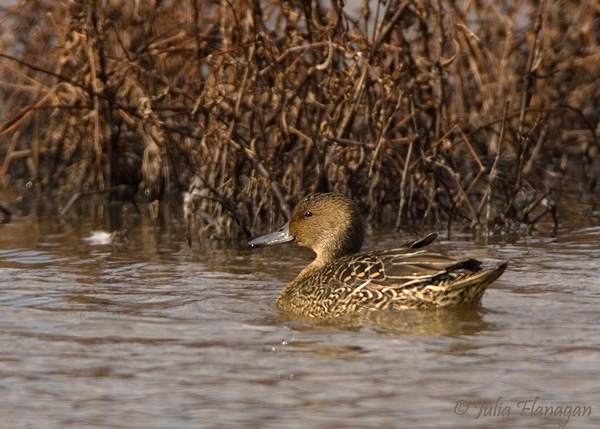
[343,280]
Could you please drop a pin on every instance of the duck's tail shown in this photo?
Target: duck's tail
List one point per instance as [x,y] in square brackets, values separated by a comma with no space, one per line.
[466,290]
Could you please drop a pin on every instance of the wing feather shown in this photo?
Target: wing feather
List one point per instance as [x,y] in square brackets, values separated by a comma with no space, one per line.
[397,268]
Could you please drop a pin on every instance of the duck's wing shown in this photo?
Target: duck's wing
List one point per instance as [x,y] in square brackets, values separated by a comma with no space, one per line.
[398,268]
[406,278]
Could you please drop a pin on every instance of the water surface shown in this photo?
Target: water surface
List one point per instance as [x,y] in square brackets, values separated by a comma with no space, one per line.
[146,332]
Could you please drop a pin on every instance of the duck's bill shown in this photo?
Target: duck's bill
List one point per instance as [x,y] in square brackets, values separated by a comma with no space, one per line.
[282,235]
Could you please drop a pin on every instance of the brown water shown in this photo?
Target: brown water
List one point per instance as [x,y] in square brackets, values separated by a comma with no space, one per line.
[147,333]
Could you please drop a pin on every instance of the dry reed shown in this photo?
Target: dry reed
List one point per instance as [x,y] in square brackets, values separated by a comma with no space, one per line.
[426,112]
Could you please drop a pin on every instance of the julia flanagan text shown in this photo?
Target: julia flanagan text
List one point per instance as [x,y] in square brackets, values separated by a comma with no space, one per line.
[527,407]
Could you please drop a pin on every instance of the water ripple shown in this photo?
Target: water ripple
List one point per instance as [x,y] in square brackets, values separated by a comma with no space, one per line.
[151,334]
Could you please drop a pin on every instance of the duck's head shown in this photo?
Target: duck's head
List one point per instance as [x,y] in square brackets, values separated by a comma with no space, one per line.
[330,224]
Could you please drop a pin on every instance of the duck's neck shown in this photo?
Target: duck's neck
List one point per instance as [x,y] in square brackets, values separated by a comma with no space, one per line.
[315,265]
[324,257]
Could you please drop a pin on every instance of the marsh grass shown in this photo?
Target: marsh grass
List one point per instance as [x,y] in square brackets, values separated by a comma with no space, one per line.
[426,112]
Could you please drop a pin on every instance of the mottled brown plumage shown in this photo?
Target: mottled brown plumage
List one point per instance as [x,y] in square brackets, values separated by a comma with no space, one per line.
[342,280]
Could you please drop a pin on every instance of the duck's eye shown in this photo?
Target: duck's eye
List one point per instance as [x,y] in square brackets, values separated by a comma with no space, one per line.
[308,214]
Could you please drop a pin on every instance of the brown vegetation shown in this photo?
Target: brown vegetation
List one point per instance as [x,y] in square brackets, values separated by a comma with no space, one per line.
[424,111]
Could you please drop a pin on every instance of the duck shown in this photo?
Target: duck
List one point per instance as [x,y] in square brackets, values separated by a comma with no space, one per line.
[344,280]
